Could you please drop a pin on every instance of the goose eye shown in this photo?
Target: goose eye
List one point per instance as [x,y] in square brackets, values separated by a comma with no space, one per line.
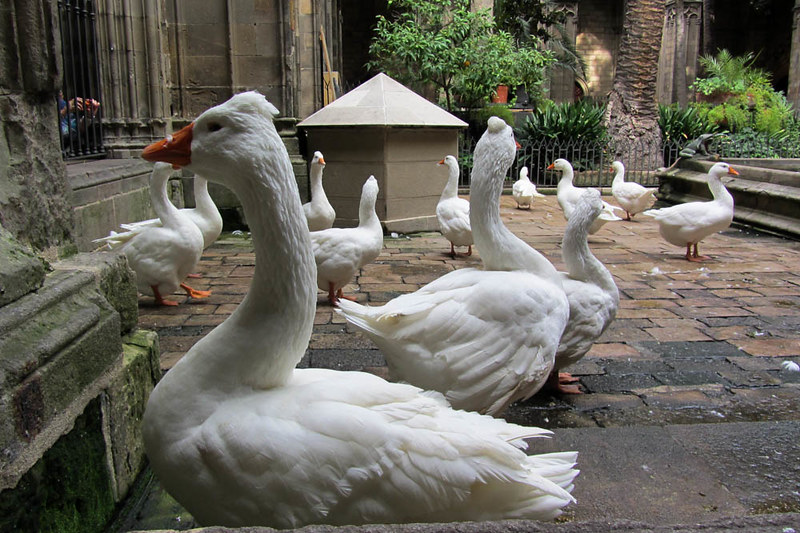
[214,126]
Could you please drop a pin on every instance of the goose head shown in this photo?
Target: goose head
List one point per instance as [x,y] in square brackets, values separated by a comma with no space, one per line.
[496,149]
[318,159]
[369,192]
[562,165]
[449,161]
[221,138]
[617,167]
[523,173]
[721,169]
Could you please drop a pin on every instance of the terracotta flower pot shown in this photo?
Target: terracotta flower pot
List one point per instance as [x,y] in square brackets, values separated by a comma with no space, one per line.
[500,95]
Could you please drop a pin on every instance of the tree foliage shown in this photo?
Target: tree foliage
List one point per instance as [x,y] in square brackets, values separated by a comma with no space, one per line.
[445,44]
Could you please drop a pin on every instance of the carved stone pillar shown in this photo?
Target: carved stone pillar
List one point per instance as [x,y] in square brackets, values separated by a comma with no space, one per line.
[562,81]
[680,46]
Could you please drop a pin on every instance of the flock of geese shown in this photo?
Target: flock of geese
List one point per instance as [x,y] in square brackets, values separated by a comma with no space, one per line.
[240,436]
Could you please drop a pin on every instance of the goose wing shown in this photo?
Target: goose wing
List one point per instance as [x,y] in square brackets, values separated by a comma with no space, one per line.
[359,449]
[483,339]
[453,216]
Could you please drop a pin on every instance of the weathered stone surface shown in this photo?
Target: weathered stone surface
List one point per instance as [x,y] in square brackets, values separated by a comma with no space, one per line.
[33,187]
[114,279]
[54,345]
[124,404]
[21,271]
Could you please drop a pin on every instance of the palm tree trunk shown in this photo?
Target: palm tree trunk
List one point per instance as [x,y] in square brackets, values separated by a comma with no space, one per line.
[632,112]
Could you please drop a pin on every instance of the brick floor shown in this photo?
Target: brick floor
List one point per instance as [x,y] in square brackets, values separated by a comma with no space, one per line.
[724,325]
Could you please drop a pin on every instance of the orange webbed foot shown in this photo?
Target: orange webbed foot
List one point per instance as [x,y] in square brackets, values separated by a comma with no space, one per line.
[194,293]
[160,299]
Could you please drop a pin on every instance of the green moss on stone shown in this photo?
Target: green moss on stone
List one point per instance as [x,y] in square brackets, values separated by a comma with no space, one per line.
[69,489]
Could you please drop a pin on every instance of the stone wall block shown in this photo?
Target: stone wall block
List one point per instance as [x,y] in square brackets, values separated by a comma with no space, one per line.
[115,281]
[20,270]
[55,344]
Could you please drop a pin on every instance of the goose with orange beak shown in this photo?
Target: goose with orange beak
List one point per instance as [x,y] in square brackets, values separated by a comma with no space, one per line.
[688,224]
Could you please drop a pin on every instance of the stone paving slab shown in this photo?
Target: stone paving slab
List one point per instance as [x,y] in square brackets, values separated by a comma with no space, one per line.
[693,343]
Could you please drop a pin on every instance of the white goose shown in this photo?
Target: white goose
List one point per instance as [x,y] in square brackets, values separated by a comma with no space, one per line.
[688,224]
[341,252]
[483,338]
[241,437]
[593,296]
[453,212]
[163,255]
[631,196]
[568,195]
[319,212]
[204,215]
[524,191]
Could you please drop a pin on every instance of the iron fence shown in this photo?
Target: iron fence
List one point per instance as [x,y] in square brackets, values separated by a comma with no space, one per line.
[79,106]
[591,161]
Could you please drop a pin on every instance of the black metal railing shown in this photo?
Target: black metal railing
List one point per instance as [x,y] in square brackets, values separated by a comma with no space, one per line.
[79,106]
[591,161]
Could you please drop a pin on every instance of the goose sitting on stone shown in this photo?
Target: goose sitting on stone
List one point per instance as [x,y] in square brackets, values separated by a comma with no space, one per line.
[241,437]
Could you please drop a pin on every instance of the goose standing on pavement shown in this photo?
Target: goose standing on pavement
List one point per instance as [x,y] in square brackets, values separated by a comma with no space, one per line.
[689,223]
[319,212]
[524,191]
[593,296]
[483,338]
[452,212]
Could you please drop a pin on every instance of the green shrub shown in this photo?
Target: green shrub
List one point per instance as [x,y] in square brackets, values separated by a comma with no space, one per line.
[582,120]
[683,125]
[726,73]
[740,95]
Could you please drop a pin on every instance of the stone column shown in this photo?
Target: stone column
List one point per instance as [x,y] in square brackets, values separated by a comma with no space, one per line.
[794,61]
[562,81]
[680,45]
[33,186]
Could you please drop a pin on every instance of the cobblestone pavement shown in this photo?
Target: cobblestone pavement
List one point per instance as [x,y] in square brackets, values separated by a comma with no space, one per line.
[693,345]
[691,342]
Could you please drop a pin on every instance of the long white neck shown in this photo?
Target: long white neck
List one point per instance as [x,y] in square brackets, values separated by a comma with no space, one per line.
[581,263]
[317,191]
[159,198]
[500,249]
[719,191]
[566,180]
[202,200]
[367,218]
[451,188]
[267,335]
[619,178]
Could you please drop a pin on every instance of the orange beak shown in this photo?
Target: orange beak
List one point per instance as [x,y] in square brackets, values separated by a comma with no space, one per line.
[731,170]
[175,149]
[322,161]
[440,162]
[518,145]
[551,166]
